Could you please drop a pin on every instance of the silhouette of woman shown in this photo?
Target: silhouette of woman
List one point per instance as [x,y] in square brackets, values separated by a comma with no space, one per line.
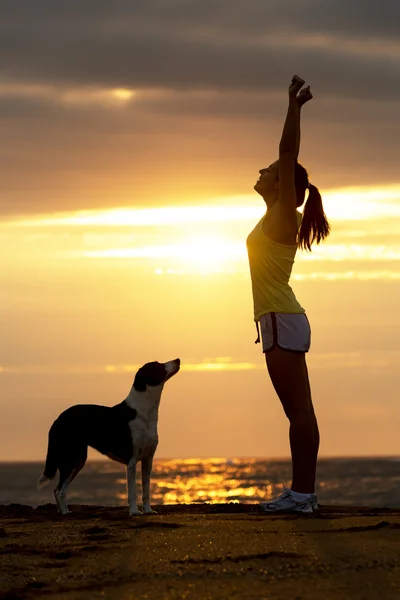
[285,329]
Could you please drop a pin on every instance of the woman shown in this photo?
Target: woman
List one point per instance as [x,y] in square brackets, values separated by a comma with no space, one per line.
[284,326]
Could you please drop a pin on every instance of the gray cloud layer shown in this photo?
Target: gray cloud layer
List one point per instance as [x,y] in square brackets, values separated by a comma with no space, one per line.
[202,45]
[356,18]
[221,69]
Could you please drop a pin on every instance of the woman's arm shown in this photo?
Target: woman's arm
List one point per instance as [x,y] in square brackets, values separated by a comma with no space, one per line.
[290,141]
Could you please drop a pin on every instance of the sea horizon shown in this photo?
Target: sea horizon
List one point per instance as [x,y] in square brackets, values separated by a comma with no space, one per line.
[364,481]
[395,457]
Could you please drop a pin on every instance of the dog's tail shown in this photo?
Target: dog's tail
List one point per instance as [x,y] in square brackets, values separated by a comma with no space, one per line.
[51,466]
[42,481]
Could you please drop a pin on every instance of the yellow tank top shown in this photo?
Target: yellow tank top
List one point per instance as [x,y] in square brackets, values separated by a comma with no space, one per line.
[271,265]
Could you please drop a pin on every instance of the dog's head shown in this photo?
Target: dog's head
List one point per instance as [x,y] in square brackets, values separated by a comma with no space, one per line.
[155,374]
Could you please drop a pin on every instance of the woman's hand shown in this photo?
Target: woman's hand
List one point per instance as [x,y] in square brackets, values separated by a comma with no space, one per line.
[304,96]
[295,86]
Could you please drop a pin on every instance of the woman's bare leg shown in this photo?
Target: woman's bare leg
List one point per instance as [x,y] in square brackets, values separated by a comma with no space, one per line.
[289,376]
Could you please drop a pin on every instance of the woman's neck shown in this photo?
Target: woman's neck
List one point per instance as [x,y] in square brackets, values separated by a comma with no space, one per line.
[269,201]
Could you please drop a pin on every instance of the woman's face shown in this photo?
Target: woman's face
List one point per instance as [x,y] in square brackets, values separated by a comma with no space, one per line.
[268,180]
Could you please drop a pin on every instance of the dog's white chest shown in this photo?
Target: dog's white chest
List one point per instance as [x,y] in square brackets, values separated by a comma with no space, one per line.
[144,438]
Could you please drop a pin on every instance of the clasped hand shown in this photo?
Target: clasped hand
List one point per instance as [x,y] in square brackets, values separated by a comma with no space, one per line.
[296,90]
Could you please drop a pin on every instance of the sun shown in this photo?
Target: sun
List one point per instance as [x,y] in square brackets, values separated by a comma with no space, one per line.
[123,93]
[208,253]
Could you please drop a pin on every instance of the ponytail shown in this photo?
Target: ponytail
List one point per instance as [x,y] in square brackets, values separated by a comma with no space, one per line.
[314,226]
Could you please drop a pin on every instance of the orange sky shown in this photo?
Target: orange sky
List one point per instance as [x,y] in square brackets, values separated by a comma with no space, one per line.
[130,146]
[88,297]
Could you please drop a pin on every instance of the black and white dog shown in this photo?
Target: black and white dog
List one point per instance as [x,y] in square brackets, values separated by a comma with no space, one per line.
[126,433]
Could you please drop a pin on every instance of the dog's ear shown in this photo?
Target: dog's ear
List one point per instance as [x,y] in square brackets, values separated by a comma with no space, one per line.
[152,374]
[140,381]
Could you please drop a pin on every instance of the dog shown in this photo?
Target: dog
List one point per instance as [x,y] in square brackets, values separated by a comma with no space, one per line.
[126,433]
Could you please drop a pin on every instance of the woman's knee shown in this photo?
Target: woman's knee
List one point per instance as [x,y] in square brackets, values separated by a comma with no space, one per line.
[304,417]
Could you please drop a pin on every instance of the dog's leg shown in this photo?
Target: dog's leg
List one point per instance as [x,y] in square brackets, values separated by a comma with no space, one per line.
[147,465]
[60,494]
[67,474]
[131,484]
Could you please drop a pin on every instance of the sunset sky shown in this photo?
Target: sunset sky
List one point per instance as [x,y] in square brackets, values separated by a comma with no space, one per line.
[131,138]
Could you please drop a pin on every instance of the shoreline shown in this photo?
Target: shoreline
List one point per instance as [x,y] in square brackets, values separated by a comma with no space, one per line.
[210,551]
[50,509]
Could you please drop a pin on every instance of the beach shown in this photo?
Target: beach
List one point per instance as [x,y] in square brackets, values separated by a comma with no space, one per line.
[205,551]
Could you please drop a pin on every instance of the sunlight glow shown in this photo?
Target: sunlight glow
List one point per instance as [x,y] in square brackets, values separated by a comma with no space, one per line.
[218,366]
[123,94]
[344,252]
[207,365]
[211,239]
[353,203]
[171,215]
[67,95]
[318,360]
[361,203]
[202,252]
[215,252]
[347,275]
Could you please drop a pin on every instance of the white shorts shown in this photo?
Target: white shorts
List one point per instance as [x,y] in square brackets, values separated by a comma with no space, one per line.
[288,331]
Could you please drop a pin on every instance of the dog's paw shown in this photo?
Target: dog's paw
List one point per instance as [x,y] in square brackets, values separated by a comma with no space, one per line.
[150,512]
[135,513]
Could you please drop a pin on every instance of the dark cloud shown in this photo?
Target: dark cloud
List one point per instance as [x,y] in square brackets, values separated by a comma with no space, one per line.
[335,17]
[211,79]
[196,45]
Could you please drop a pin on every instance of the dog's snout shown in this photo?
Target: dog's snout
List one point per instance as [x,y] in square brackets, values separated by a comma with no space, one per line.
[178,361]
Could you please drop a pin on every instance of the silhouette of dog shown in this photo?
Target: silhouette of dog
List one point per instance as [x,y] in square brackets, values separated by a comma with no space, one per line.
[126,433]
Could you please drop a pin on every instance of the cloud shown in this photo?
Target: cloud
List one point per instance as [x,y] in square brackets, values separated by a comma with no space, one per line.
[208,96]
[187,45]
[90,16]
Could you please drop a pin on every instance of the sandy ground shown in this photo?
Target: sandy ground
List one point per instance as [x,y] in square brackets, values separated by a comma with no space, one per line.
[199,552]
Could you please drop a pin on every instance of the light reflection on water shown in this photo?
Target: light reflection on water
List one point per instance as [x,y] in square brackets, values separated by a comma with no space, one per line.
[345,481]
[362,481]
[212,480]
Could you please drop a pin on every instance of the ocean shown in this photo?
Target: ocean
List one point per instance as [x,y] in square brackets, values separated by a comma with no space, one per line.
[371,482]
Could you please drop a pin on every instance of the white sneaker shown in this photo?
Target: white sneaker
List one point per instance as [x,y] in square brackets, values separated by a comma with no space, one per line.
[287,503]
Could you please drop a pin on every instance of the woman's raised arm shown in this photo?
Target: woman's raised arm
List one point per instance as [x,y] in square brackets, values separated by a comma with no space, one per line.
[290,141]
